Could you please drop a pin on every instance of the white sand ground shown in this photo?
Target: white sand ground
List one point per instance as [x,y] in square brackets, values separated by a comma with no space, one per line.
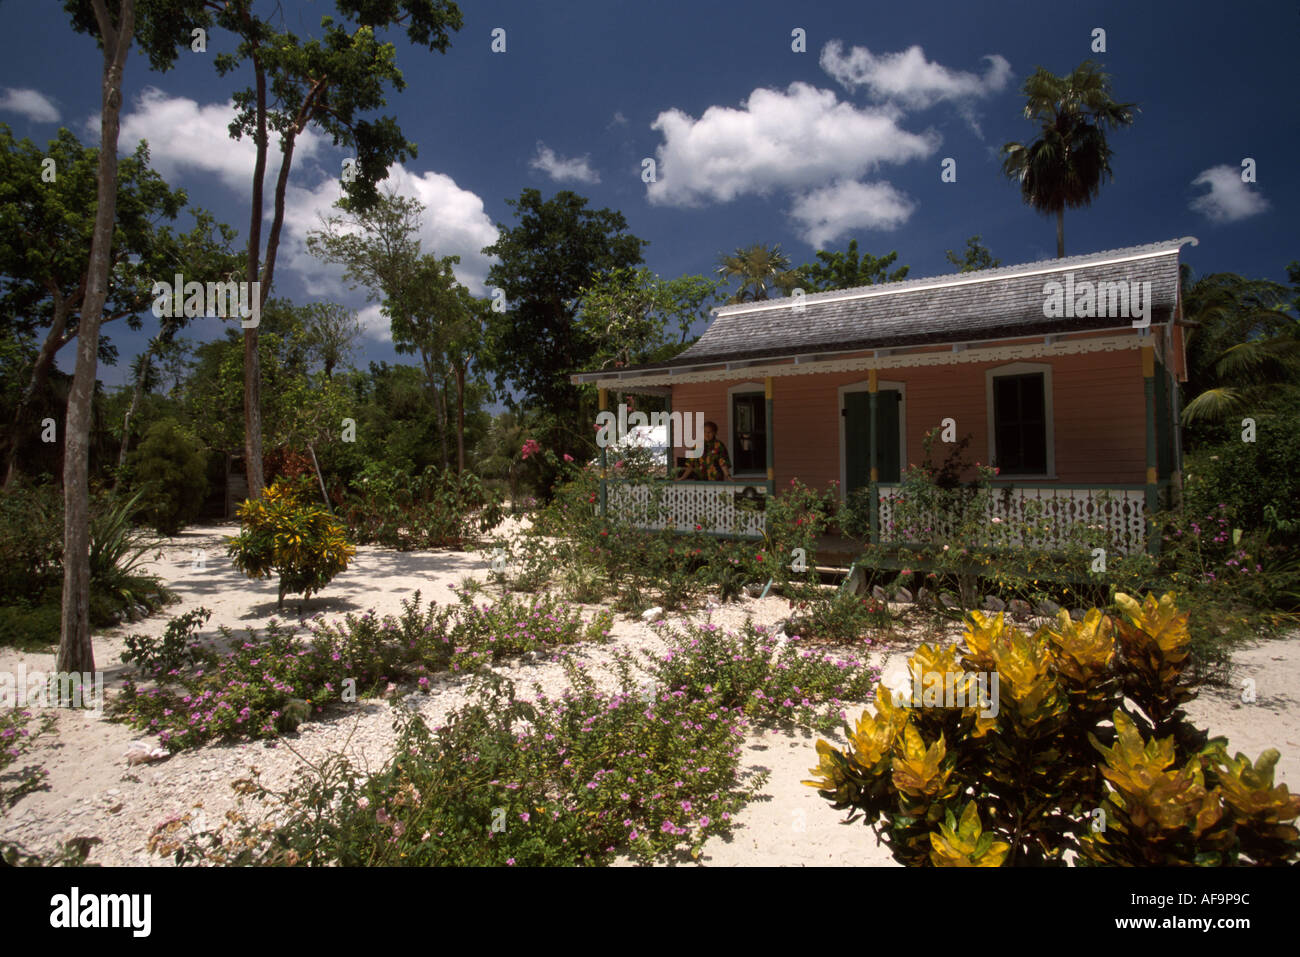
[93,792]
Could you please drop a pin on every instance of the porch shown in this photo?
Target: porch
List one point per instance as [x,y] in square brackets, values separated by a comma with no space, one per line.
[1039,516]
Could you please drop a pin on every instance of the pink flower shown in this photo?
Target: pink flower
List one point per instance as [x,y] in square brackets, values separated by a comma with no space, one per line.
[568,457]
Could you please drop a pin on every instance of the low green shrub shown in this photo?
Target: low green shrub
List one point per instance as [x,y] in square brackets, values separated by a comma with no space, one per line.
[173,649]
[771,681]
[505,782]
[271,683]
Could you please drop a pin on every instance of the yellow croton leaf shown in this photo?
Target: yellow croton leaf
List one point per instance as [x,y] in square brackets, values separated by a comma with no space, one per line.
[829,776]
[1083,649]
[983,632]
[1025,673]
[874,737]
[1160,621]
[1248,788]
[966,845]
[918,770]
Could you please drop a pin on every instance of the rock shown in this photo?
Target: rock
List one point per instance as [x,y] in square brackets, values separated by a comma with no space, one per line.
[903,595]
[994,604]
[1019,608]
[878,593]
[924,596]
[1077,614]
[948,600]
[138,752]
[655,613]
[1048,608]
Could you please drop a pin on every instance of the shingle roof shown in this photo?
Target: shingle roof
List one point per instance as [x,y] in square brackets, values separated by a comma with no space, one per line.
[1004,302]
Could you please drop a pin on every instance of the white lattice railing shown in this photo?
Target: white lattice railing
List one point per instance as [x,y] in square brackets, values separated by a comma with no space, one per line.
[681,506]
[1044,516]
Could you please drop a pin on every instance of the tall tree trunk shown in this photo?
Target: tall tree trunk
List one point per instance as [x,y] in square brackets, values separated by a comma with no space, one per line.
[54,341]
[1060,233]
[460,418]
[76,653]
[444,426]
[136,394]
[252,359]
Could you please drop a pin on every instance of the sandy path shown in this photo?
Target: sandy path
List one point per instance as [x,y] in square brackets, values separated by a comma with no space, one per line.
[93,792]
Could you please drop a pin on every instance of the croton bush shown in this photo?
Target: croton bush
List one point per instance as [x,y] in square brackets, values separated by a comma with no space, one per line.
[1068,744]
[284,532]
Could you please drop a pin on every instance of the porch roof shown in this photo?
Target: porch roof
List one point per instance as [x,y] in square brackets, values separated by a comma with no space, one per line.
[1000,303]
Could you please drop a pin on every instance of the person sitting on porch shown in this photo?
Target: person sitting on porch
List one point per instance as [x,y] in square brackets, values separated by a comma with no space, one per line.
[714,464]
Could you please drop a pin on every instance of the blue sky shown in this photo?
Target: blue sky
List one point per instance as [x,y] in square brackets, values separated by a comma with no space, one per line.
[754,143]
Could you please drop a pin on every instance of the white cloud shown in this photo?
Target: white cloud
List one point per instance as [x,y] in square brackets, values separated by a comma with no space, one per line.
[560,169]
[908,77]
[454,223]
[33,104]
[1229,199]
[830,212]
[186,138]
[795,140]
[618,120]
[374,324]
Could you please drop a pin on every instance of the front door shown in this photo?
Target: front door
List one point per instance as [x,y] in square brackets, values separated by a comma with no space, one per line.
[857,437]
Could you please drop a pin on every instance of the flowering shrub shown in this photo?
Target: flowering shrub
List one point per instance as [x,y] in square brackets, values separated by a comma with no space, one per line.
[284,533]
[270,684]
[791,683]
[506,782]
[16,738]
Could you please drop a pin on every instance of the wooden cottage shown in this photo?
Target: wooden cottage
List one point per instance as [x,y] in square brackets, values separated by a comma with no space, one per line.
[1064,373]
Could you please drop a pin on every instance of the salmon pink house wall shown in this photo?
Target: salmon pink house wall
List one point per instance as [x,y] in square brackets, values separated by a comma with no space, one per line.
[1098,427]
[1077,405]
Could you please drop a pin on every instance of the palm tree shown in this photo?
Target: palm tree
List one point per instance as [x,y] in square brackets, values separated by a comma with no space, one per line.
[1067,163]
[758,268]
[1242,347]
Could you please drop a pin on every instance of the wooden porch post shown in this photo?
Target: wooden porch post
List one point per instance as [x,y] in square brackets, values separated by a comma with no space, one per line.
[1149,388]
[668,430]
[604,461]
[874,476]
[771,440]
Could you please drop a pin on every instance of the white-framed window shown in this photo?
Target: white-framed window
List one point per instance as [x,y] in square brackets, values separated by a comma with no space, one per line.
[1021,433]
[747,431]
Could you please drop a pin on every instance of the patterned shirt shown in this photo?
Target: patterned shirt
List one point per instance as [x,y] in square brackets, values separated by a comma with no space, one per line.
[712,460]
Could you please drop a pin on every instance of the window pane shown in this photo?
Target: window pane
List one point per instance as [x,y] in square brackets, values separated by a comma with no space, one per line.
[1020,424]
[749,412]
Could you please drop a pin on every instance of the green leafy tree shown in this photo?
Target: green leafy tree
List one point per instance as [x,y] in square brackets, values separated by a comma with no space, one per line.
[1066,164]
[757,268]
[332,83]
[629,313]
[975,257]
[849,269]
[46,230]
[430,313]
[1243,344]
[558,248]
[171,466]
